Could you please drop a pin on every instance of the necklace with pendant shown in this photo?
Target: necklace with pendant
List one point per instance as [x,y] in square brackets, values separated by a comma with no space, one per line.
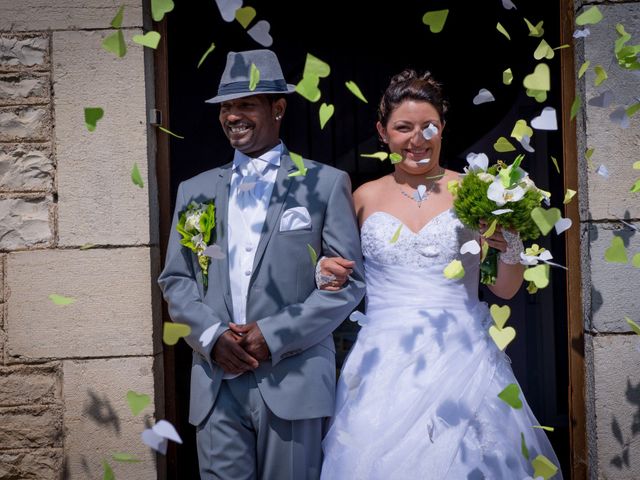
[422,192]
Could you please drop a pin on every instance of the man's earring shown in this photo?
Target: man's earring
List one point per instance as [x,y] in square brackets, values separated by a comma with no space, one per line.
[278,117]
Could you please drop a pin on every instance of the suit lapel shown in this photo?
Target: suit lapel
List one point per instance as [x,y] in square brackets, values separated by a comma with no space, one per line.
[222,232]
[276,203]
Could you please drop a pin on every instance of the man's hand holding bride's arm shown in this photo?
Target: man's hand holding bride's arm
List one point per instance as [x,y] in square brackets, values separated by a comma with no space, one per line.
[510,270]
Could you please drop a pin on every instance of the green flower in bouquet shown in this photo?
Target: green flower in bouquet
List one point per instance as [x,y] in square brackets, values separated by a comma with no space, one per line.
[196,226]
[502,195]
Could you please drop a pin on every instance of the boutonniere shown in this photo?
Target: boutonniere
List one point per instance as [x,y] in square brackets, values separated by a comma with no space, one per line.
[196,225]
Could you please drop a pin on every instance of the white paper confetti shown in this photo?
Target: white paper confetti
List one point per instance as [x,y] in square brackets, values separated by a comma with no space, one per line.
[562,225]
[430,131]
[154,441]
[228,9]
[501,211]
[483,96]
[214,251]
[546,120]
[525,144]
[581,33]
[603,171]
[165,430]
[472,247]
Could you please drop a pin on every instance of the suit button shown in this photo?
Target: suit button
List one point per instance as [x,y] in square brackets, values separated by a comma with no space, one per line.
[248,248]
[247,272]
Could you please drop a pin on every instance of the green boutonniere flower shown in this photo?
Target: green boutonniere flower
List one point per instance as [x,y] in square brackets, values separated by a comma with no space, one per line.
[196,225]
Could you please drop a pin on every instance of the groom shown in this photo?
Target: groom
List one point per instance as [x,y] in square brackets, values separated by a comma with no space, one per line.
[262,385]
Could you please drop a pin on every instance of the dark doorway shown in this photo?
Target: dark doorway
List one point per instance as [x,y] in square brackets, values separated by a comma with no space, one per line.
[368,43]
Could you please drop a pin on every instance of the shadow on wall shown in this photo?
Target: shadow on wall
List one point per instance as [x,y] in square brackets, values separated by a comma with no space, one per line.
[621,460]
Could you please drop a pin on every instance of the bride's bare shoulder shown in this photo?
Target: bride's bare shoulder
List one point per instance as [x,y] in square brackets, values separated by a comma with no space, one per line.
[370,189]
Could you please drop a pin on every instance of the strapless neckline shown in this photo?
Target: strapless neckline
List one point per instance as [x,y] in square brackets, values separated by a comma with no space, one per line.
[431,220]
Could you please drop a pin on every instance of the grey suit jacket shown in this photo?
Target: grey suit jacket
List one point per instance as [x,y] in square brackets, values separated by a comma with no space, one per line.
[296,319]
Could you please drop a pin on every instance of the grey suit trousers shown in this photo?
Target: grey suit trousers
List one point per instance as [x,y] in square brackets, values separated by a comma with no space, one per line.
[241,439]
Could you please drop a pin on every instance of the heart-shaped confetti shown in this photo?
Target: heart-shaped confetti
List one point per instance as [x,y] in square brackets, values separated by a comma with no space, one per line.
[353,88]
[228,8]
[502,211]
[325,113]
[483,96]
[435,20]
[396,234]
[535,30]
[159,8]
[245,15]
[472,247]
[616,252]
[520,129]
[601,75]
[569,194]
[562,225]
[254,77]
[503,30]
[430,132]
[315,66]
[500,315]
[91,117]
[543,50]
[543,467]
[117,20]
[61,300]
[546,120]
[359,318]
[525,142]
[308,88]
[585,32]
[136,178]
[260,33]
[137,401]
[419,193]
[545,219]
[149,39]
[382,156]
[503,145]
[154,441]
[165,430]
[507,76]
[539,275]
[502,337]
[511,396]
[115,44]
[590,16]
[174,331]
[454,270]
[508,5]
[540,79]
[215,251]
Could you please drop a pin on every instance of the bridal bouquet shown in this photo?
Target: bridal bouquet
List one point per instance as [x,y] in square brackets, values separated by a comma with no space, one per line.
[503,196]
[196,225]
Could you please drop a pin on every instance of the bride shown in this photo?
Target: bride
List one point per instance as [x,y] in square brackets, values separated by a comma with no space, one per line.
[418,393]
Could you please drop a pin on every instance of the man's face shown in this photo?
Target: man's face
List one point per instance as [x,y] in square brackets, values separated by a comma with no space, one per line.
[252,124]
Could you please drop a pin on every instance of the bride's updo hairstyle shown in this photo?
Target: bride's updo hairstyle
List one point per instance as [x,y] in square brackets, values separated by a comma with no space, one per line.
[409,85]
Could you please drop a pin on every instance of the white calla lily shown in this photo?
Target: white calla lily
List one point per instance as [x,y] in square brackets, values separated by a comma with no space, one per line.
[501,195]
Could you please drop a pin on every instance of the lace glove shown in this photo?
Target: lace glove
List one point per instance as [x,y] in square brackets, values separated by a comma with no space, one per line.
[322,280]
[514,248]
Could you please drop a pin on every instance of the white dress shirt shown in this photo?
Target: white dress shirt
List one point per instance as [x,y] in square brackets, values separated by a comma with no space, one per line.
[250,190]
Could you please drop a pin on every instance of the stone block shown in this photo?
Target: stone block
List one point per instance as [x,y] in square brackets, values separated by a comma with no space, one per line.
[26,167]
[23,52]
[39,464]
[112,312]
[25,222]
[24,88]
[613,285]
[97,418]
[98,203]
[30,384]
[31,427]
[617,405]
[614,147]
[25,124]
[2,263]
[66,14]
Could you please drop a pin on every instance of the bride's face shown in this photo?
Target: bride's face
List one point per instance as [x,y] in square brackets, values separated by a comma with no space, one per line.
[404,135]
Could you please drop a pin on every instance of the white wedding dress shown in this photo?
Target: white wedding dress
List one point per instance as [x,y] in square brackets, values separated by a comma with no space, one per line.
[418,394]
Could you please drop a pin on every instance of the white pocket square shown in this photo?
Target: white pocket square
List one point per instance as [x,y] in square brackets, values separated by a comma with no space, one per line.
[296,218]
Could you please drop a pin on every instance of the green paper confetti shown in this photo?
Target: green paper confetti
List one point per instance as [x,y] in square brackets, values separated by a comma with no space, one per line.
[539,95]
[137,402]
[502,336]
[491,230]
[589,153]
[633,109]
[325,113]
[545,219]
[616,252]
[511,396]
[91,117]
[107,471]
[540,79]
[125,457]
[500,315]
[543,467]
[254,77]
[502,30]
[520,129]
[315,67]
[149,39]
[507,76]
[396,235]
[562,47]
[535,30]
[117,20]
[308,88]
[87,246]
[61,300]
[435,20]
[523,446]
[353,88]
[636,165]
[299,163]
[173,331]
[313,255]
[159,8]
[575,107]
[590,16]
[543,50]
[165,130]
[454,270]
[115,44]
[136,178]
[547,429]
[568,196]
[395,158]
[583,68]
[503,145]
[382,156]
[635,187]
[244,16]
[539,275]
[601,75]
[206,54]
[633,325]
[555,163]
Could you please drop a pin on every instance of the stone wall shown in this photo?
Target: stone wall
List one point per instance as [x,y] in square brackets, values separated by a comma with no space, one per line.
[65,369]
[610,289]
